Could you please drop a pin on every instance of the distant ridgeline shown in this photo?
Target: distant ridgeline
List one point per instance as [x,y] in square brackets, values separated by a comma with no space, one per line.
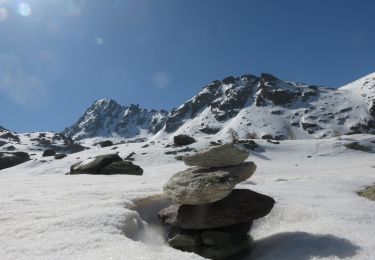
[249,106]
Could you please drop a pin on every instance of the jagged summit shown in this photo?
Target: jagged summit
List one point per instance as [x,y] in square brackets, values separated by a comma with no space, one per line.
[107,118]
[263,106]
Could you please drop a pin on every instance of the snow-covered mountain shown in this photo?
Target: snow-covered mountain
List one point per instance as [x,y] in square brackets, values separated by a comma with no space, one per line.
[107,118]
[251,106]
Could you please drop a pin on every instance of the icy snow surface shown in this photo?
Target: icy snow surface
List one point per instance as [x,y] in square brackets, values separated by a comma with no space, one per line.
[318,215]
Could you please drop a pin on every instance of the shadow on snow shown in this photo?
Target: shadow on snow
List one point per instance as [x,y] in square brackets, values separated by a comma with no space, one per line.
[301,246]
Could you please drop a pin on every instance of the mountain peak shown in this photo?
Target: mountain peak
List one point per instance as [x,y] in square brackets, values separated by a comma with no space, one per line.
[107,118]
[267,77]
[104,102]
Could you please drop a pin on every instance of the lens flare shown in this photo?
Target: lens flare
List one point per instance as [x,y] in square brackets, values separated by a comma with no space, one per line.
[3,14]
[99,41]
[24,9]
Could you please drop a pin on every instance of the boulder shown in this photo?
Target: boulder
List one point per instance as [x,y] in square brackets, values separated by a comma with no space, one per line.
[75,148]
[197,185]
[122,167]
[60,156]
[8,160]
[49,152]
[95,165]
[180,140]
[106,143]
[217,156]
[239,207]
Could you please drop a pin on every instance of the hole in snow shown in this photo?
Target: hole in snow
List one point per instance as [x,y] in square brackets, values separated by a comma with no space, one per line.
[146,227]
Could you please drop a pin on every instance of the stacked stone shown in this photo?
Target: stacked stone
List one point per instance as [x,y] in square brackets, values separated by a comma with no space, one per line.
[209,217]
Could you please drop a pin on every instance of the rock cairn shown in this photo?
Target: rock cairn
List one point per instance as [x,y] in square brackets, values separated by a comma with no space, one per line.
[208,216]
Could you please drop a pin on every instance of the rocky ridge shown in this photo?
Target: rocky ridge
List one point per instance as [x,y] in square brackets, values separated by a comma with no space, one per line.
[262,106]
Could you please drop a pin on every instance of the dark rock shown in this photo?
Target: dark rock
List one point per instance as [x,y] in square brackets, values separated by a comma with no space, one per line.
[2,143]
[49,152]
[310,126]
[357,146]
[129,157]
[122,167]
[227,236]
[277,112]
[8,160]
[273,142]
[74,148]
[170,152]
[280,137]
[10,136]
[348,109]
[105,143]
[267,136]
[209,130]
[60,156]
[239,207]
[10,148]
[248,144]
[178,157]
[94,166]
[220,253]
[183,238]
[180,140]
[186,149]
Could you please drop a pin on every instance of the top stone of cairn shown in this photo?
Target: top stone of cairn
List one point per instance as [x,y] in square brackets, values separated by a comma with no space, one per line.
[217,156]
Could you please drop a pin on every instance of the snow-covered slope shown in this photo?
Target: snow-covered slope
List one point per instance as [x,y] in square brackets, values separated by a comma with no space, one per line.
[263,106]
[109,119]
[318,214]
[36,143]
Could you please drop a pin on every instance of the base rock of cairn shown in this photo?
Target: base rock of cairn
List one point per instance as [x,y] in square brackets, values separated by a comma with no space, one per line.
[210,217]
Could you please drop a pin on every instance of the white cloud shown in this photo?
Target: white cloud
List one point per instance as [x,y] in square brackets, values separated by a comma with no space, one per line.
[161,80]
[19,86]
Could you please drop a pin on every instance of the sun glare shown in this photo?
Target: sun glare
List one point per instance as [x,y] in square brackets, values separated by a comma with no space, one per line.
[24,9]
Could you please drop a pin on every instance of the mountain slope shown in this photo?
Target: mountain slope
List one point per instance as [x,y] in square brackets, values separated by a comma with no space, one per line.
[269,107]
[264,107]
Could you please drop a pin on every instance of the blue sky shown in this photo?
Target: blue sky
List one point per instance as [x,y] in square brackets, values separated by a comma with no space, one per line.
[58,56]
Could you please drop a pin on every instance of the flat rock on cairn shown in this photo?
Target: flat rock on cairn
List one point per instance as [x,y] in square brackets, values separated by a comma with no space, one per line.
[217,156]
[239,207]
[199,185]
[210,217]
